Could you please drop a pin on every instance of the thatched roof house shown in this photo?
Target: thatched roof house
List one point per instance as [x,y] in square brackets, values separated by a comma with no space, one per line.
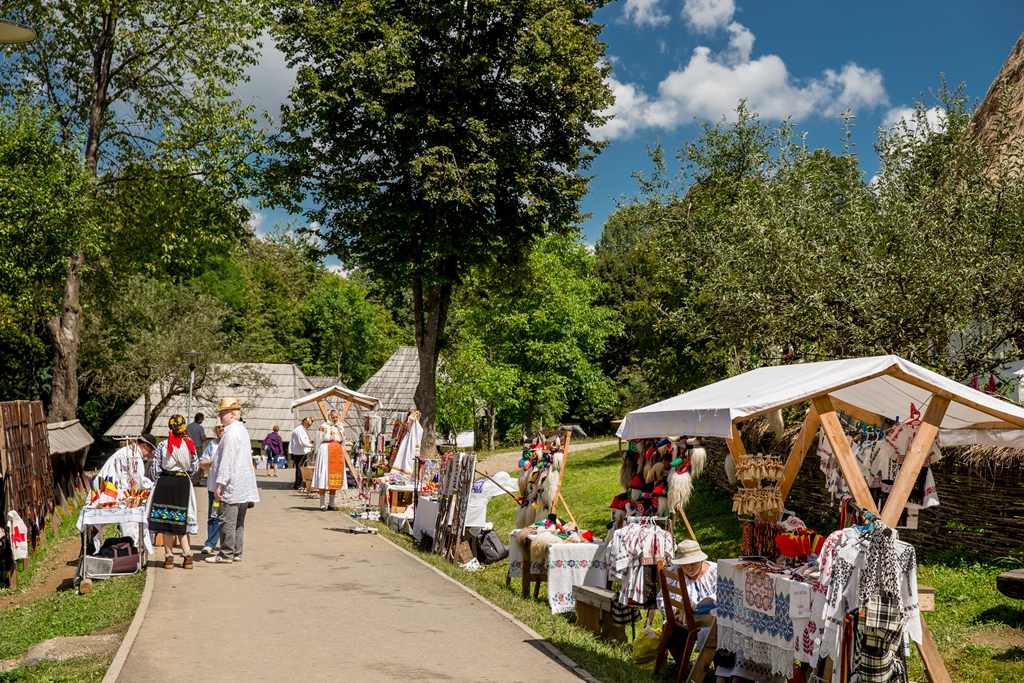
[986,118]
[265,390]
[394,384]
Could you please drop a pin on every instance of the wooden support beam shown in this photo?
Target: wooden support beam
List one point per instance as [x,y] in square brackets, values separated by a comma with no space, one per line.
[911,467]
[934,667]
[856,413]
[844,455]
[1017,422]
[323,409]
[561,473]
[796,456]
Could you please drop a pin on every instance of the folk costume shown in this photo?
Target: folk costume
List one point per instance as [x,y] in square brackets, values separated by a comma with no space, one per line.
[172,506]
[329,470]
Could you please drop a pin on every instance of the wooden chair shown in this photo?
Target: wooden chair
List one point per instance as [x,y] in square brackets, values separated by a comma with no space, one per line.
[679,633]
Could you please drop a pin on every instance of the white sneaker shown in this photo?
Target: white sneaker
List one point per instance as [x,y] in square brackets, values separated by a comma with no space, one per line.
[217,559]
[238,558]
[207,550]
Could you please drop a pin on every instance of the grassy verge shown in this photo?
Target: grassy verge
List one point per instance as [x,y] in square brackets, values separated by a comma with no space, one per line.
[88,670]
[978,631]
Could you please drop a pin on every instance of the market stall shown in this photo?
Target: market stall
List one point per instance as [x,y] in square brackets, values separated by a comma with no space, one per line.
[867,397]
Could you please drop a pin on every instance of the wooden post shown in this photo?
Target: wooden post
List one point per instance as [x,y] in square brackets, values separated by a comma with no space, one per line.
[919,450]
[844,455]
[687,523]
[934,667]
[796,456]
[561,473]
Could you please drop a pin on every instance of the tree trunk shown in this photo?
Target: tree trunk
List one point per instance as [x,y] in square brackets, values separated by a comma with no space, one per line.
[64,330]
[430,309]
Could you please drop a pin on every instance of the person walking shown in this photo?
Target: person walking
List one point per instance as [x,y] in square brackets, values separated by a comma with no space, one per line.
[197,432]
[273,448]
[172,506]
[235,490]
[209,461]
[299,448]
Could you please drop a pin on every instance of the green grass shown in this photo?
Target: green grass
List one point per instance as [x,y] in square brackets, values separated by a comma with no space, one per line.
[88,670]
[111,603]
[978,630]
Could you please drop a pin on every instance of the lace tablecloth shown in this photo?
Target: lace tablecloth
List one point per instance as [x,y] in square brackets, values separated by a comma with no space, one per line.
[101,516]
[568,565]
[767,616]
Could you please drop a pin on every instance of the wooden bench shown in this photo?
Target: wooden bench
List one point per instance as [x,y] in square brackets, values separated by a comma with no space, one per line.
[594,612]
[1011,584]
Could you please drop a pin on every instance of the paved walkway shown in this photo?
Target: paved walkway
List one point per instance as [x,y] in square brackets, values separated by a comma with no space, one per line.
[312,603]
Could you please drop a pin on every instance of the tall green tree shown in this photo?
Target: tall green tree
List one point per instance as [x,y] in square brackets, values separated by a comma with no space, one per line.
[44,220]
[130,81]
[435,137]
[533,336]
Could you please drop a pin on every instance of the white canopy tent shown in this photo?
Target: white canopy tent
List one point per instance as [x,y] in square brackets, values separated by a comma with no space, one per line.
[871,390]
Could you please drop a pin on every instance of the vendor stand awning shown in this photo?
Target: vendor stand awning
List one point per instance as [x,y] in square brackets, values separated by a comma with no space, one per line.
[870,390]
[347,395]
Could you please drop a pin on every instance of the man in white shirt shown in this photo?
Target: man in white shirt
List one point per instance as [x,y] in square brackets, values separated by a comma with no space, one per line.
[209,462]
[299,448]
[235,488]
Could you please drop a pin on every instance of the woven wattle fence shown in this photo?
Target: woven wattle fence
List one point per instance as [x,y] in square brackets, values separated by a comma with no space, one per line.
[27,471]
[981,491]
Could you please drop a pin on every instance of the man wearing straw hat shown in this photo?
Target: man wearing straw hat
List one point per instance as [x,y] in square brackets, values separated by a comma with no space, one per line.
[236,482]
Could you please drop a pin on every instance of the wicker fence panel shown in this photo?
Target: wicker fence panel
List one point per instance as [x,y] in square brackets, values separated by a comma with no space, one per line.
[981,510]
[28,474]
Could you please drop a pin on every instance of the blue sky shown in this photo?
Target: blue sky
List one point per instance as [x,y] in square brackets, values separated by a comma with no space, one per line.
[674,60]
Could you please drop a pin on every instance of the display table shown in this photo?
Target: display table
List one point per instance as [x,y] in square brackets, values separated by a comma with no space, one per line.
[426,515]
[568,565]
[100,517]
[395,498]
[770,617]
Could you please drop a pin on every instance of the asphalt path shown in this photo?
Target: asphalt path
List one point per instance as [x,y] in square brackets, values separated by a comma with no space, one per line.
[310,602]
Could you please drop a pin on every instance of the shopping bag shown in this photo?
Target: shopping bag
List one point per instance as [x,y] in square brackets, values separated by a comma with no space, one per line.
[18,531]
[645,647]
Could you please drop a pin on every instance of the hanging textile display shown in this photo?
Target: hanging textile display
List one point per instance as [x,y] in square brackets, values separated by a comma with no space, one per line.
[633,553]
[455,483]
[760,493]
[409,448]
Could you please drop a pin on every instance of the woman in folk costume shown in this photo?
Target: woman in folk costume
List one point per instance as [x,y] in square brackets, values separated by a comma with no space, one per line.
[172,506]
[329,470]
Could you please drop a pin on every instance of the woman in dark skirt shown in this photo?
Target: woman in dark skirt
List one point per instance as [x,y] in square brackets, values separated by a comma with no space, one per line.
[172,505]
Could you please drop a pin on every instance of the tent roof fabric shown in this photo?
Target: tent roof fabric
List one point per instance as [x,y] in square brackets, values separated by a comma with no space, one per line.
[884,385]
[368,402]
[67,437]
[262,407]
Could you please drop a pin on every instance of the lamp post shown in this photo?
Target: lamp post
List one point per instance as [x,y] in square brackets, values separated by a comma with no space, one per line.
[540,411]
[191,355]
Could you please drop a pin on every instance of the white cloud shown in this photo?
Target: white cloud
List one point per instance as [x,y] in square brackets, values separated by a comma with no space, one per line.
[644,13]
[708,15]
[338,269]
[935,118]
[709,86]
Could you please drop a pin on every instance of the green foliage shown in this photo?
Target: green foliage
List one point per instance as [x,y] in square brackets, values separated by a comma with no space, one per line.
[44,219]
[347,335]
[767,243]
[532,336]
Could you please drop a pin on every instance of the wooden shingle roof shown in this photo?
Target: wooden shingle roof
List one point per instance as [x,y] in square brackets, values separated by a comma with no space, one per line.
[394,385]
[67,437]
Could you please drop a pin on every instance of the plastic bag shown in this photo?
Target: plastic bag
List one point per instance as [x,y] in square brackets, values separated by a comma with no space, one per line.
[645,647]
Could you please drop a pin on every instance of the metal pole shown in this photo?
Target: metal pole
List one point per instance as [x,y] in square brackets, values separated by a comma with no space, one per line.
[191,382]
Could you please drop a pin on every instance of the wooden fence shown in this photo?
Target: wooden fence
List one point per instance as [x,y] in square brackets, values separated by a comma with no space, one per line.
[26,468]
[981,508]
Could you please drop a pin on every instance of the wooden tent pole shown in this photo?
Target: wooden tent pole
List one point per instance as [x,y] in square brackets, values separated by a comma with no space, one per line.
[323,408]
[800,447]
[911,468]
[561,473]
[833,430]
[687,523]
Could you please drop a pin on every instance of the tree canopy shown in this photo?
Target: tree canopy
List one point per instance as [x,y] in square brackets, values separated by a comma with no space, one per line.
[431,138]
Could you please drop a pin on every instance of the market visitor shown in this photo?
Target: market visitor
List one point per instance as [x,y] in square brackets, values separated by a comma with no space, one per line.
[235,490]
[172,506]
[209,462]
[329,468]
[197,432]
[299,448]
[273,448]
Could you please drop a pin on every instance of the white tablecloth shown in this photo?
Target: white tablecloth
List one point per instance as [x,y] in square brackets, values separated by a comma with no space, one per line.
[766,616]
[426,515]
[568,565]
[102,516]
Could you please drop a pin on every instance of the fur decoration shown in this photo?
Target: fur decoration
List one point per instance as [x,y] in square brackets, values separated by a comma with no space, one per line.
[776,422]
[526,533]
[730,469]
[628,470]
[680,488]
[525,516]
[698,458]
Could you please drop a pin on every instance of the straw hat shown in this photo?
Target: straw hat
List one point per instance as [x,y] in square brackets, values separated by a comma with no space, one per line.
[688,552]
[228,403]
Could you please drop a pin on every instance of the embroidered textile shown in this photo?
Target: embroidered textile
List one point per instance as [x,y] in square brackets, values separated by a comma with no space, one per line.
[630,549]
[766,639]
[567,565]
